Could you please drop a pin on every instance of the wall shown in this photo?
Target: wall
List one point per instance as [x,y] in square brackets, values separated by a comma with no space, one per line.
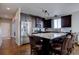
[16,27]
[13,28]
[75,22]
[5,28]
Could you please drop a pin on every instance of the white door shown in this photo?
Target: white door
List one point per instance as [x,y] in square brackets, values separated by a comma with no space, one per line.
[5,30]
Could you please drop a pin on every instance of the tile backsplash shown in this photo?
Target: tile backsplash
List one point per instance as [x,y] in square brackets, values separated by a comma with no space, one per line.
[60,30]
[51,29]
[65,29]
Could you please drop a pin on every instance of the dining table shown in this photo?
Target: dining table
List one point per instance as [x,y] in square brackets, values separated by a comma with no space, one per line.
[47,39]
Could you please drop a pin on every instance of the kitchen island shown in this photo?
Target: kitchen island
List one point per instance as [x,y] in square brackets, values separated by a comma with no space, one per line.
[47,39]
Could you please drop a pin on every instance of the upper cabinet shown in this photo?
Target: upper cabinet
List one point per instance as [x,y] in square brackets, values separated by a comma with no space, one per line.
[38,22]
[47,23]
[66,21]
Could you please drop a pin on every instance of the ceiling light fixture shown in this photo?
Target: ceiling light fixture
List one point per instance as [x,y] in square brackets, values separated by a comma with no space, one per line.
[8,8]
[46,14]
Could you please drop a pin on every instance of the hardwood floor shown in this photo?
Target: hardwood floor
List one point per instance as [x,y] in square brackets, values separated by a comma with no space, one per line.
[76,50]
[9,47]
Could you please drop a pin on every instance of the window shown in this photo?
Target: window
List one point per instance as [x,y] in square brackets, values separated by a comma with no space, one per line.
[57,23]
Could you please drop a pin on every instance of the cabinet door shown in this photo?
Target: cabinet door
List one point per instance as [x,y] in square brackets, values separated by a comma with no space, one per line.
[66,21]
[47,23]
[39,23]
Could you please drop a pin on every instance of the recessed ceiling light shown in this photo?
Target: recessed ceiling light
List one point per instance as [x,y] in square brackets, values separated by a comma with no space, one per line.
[8,8]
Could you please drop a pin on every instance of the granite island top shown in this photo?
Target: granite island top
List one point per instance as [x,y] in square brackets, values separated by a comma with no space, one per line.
[49,35]
[48,32]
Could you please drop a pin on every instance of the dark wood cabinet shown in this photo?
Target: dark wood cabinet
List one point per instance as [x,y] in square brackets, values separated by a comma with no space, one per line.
[47,23]
[66,21]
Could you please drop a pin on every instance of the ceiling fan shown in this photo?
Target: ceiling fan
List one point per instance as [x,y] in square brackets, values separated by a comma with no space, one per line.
[47,15]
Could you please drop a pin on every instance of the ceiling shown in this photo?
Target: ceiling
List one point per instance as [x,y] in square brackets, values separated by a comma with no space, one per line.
[36,9]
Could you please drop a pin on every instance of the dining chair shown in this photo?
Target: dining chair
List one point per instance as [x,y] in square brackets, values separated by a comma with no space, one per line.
[71,44]
[36,45]
[65,47]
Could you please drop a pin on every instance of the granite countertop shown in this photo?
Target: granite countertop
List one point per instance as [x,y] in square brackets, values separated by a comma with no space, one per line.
[48,32]
[49,35]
